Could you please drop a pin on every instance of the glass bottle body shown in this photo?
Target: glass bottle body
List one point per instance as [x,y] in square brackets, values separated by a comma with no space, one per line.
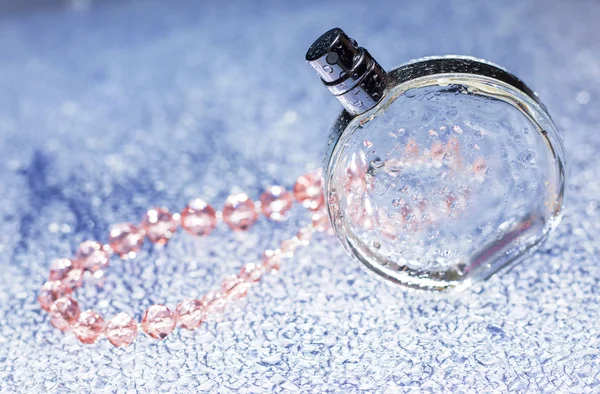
[454,175]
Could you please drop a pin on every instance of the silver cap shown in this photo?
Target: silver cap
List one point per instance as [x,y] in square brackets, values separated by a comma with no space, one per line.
[348,71]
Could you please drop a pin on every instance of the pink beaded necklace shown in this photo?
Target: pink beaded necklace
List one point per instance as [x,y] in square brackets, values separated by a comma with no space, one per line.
[158,225]
[199,218]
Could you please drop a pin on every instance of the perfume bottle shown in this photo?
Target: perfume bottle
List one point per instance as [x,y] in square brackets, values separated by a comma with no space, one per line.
[440,172]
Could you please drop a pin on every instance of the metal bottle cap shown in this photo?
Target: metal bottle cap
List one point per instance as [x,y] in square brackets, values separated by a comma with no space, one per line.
[348,71]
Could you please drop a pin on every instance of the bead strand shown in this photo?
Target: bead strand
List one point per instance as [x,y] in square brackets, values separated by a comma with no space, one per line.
[158,225]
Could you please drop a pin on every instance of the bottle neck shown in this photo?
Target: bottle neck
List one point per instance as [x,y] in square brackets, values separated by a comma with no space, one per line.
[348,71]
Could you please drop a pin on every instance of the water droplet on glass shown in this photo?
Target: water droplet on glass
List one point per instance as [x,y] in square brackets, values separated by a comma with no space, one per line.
[410,93]
[377,163]
[427,117]
[456,128]
[527,157]
[332,58]
[451,114]
[377,80]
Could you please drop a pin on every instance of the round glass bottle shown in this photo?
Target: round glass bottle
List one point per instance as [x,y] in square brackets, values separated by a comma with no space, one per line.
[439,172]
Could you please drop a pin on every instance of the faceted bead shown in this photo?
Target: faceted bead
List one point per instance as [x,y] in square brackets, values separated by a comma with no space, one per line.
[214,305]
[74,278]
[479,166]
[198,218]
[308,191]
[92,256]
[251,273]
[271,260]
[437,151]
[239,212]
[453,153]
[356,171]
[59,268]
[121,330]
[66,271]
[289,246]
[357,209]
[159,225]
[190,313]
[234,287]
[275,203]
[304,235]
[158,321]
[412,148]
[320,221]
[88,327]
[388,224]
[126,240]
[64,312]
[50,292]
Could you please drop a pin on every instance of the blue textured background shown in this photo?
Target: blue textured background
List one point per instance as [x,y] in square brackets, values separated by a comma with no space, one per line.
[107,109]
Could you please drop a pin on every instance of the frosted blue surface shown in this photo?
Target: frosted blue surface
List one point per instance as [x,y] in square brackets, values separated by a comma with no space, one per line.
[108,109]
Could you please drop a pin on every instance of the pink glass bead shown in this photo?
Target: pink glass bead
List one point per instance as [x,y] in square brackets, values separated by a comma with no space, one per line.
[239,212]
[271,260]
[92,256]
[308,191]
[354,181]
[304,235]
[66,271]
[234,287]
[121,330]
[214,305]
[59,268]
[88,327]
[74,278]
[289,246]
[125,239]
[412,148]
[479,166]
[453,153]
[159,224]
[158,321]
[190,313]
[50,292]
[275,202]
[437,151]
[320,221]
[64,312]
[198,218]
[251,273]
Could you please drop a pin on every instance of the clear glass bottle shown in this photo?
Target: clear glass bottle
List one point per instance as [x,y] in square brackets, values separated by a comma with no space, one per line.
[439,172]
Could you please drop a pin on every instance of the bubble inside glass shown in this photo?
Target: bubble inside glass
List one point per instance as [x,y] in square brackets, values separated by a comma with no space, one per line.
[449,179]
